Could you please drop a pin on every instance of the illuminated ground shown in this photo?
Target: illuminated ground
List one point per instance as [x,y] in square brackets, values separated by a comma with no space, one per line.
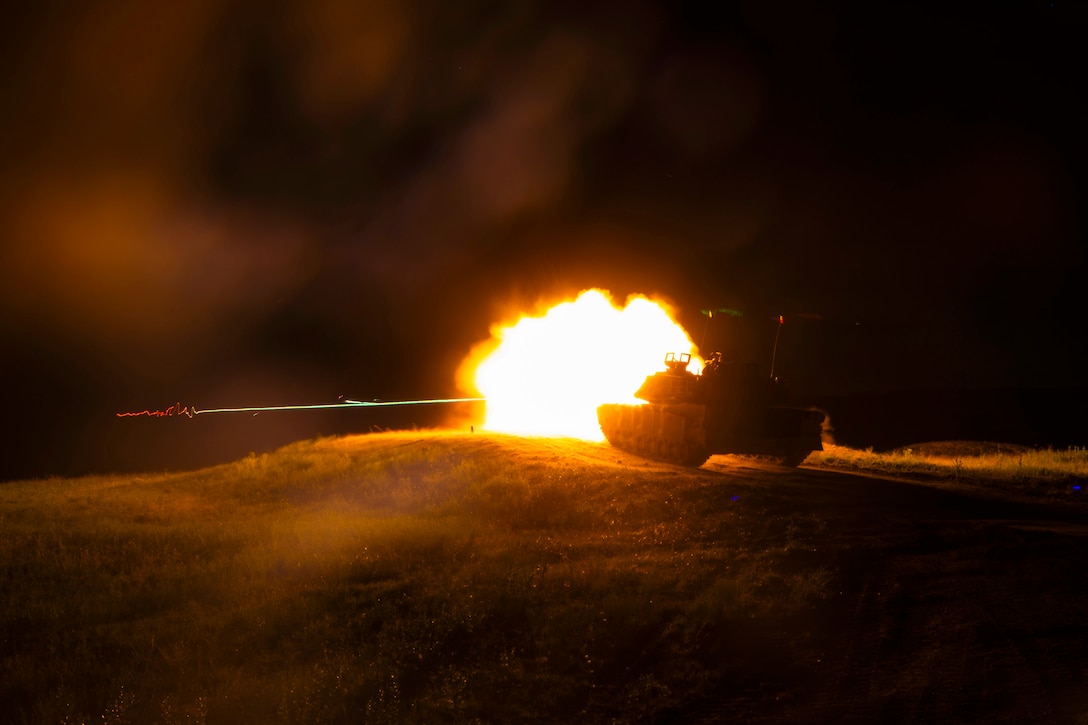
[951,605]
[589,584]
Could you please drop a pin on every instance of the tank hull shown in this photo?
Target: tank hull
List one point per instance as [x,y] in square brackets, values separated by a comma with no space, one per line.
[670,433]
[689,433]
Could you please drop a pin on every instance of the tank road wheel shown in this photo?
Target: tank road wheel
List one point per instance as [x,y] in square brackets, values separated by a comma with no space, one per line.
[672,452]
[794,459]
[626,429]
[680,453]
[695,455]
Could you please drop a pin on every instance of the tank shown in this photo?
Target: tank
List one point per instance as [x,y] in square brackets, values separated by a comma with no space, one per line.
[728,408]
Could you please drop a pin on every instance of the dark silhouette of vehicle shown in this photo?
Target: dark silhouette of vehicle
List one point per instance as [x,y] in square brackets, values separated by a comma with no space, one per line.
[728,408]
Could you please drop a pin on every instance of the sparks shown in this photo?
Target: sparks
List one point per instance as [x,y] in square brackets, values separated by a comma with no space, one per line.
[176,409]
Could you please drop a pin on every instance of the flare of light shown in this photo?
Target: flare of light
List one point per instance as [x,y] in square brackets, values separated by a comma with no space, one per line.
[548,374]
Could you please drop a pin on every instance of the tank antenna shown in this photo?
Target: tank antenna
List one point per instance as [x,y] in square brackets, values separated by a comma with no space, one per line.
[774,353]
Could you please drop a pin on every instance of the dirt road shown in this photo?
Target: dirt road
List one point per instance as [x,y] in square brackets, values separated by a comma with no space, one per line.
[954,607]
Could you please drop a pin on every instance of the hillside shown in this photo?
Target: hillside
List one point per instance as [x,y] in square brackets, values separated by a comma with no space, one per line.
[430,576]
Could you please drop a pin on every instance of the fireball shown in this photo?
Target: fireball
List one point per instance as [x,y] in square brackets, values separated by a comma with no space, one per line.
[546,375]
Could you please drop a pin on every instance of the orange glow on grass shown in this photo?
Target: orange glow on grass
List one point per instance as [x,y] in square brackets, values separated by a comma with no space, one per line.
[546,375]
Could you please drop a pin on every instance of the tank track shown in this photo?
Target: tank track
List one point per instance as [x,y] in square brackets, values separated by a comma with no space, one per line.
[671,436]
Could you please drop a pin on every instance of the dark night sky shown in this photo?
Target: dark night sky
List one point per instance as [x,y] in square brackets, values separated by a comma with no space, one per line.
[254,203]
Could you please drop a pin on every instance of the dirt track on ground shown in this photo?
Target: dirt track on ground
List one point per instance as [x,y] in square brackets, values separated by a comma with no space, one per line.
[949,605]
[955,606]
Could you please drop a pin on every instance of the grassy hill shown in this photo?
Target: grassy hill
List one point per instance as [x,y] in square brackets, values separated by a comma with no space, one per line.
[397,578]
[448,577]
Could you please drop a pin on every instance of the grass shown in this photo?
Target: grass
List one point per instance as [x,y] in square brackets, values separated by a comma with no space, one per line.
[423,577]
[1049,472]
[408,577]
